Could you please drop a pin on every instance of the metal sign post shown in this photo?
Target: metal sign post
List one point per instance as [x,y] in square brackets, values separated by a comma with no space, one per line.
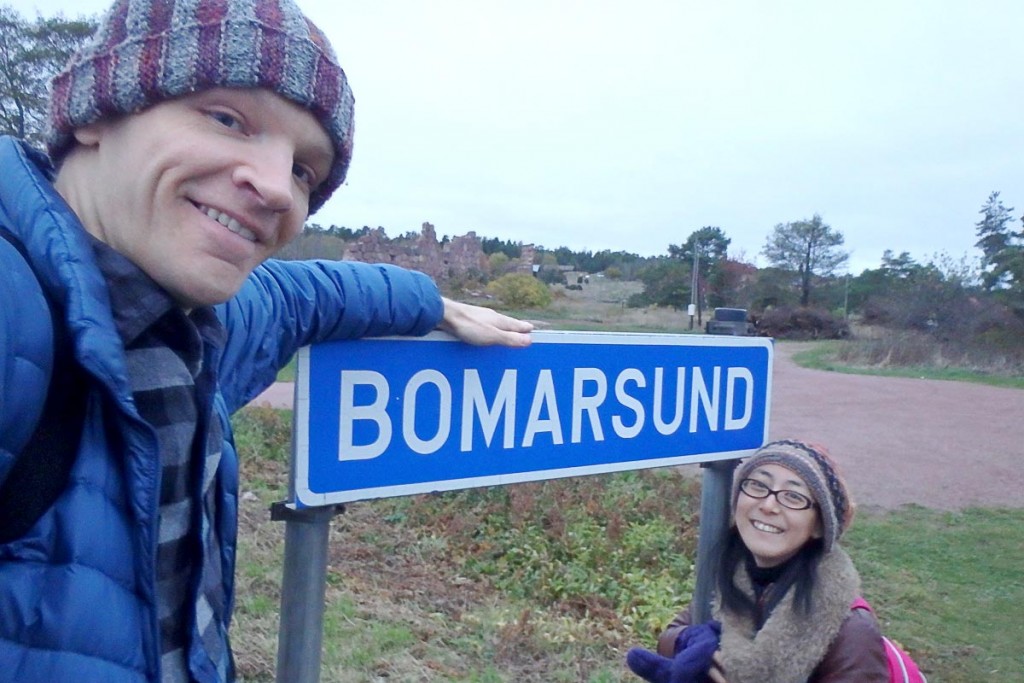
[303,584]
[303,587]
[715,490]
[376,418]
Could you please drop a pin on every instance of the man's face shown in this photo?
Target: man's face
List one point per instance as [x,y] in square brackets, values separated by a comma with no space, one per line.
[198,191]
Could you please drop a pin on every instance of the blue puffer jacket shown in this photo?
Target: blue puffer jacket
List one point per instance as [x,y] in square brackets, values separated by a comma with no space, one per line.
[77,591]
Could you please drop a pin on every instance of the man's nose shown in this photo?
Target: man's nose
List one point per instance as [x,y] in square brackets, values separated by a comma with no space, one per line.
[268,172]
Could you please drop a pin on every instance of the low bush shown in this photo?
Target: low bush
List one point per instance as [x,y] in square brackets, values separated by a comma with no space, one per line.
[800,323]
[519,290]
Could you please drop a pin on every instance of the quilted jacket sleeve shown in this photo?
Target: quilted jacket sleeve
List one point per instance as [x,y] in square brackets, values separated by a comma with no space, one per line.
[26,348]
[285,305]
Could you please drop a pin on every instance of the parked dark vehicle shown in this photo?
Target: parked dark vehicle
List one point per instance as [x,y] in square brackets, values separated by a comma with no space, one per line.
[731,321]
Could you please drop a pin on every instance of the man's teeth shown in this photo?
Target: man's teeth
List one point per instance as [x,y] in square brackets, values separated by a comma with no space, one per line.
[761,526]
[231,224]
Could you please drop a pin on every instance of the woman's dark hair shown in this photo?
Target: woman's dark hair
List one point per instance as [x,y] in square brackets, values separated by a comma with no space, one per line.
[800,574]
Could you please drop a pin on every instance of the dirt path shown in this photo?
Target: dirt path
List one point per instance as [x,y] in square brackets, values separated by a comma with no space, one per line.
[940,444]
[943,445]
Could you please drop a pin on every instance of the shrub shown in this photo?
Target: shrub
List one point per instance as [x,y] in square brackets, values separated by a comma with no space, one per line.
[551,276]
[498,263]
[800,323]
[519,290]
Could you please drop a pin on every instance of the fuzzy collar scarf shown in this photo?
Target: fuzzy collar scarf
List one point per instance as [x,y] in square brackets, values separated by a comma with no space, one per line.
[789,646]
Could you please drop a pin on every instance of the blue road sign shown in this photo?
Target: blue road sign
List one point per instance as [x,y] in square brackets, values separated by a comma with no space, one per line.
[396,416]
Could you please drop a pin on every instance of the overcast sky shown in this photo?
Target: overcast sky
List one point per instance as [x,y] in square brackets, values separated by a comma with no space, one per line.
[628,125]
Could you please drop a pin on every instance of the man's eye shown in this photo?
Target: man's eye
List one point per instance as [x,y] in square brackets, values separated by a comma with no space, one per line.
[304,174]
[226,119]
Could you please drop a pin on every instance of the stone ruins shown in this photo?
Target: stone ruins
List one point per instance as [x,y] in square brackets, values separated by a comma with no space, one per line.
[457,257]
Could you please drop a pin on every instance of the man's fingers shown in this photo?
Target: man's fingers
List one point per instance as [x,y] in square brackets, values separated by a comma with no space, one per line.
[483,326]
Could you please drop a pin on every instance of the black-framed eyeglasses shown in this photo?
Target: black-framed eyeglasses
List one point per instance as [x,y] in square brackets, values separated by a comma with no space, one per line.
[794,500]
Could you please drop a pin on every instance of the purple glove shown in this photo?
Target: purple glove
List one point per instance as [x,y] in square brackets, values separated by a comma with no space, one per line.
[694,649]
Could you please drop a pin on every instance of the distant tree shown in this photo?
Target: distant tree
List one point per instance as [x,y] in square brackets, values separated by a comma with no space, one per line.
[666,283]
[31,54]
[809,248]
[565,256]
[549,272]
[627,263]
[491,245]
[709,242]
[887,281]
[1002,249]
[710,245]
[900,268]
[497,263]
[770,288]
[937,297]
[730,283]
[341,232]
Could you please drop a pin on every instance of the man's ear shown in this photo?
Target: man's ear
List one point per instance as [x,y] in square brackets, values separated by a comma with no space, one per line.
[90,135]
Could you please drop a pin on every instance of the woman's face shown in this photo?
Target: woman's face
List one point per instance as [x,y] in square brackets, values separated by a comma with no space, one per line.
[774,533]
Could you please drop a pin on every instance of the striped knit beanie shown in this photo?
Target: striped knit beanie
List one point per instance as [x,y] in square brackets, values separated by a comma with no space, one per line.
[147,51]
[816,467]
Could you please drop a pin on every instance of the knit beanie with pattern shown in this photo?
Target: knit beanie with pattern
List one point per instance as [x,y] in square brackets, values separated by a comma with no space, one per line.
[147,51]
[816,467]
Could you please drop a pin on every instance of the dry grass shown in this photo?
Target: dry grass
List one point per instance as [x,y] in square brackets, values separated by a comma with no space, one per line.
[601,305]
[885,349]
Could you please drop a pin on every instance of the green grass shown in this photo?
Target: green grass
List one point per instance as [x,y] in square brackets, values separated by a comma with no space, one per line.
[826,356]
[948,587]
[554,581]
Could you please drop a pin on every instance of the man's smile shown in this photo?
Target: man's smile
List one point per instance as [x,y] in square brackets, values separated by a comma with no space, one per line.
[228,222]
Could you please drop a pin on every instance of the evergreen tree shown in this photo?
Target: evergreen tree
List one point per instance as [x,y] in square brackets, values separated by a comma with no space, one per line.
[1001,248]
[707,248]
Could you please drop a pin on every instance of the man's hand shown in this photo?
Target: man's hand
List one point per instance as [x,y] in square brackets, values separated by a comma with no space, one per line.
[482,326]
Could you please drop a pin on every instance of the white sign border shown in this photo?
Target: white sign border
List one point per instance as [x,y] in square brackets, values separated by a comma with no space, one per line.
[303,497]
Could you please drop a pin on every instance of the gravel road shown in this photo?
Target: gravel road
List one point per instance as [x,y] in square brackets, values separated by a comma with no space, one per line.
[941,444]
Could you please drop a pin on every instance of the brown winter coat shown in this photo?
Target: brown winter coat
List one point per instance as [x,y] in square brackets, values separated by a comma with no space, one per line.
[834,644]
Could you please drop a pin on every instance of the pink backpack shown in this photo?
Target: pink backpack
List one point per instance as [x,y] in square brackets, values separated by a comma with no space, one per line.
[902,668]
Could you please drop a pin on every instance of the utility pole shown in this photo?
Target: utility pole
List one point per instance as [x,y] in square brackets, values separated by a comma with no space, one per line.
[693,285]
[846,298]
